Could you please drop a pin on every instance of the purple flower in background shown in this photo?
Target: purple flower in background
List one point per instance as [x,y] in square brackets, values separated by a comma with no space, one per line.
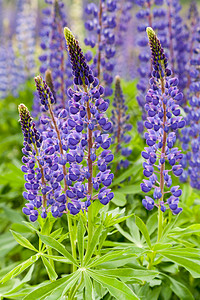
[163,120]
[120,127]
[190,135]
[100,24]
[25,38]
[152,14]
[54,57]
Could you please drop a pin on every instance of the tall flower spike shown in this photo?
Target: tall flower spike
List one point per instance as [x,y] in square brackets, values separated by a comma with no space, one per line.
[33,169]
[162,106]
[85,140]
[120,126]
[44,159]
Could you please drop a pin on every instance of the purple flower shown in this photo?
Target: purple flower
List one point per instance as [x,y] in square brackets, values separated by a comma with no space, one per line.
[163,120]
[120,124]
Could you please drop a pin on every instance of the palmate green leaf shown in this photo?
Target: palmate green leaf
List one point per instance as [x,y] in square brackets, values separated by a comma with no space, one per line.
[88,287]
[116,288]
[192,229]
[128,273]
[107,257]
[189,258]
[57,233]
[20,268]
[93,244]
[115,221]
[140,224]
[80,238]
[180,289]
[23,241]
[61,259]
[18,284]
[57,287]
[50,270]
[51,242]
[31,226]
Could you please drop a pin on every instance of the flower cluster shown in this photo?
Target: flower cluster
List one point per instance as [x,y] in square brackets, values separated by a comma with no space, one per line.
[54,57]
[87,141]
[60,161]
[120,126]
[151,14]
[162,106]
[190,136]
[101,23]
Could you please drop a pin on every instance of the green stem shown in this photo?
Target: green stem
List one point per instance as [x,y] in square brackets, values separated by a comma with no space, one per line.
[72,234]
[160,224]
[90,225]
[74,290]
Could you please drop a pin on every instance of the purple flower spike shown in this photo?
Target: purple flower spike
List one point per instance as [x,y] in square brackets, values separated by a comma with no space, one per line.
[120,125]
[161,101]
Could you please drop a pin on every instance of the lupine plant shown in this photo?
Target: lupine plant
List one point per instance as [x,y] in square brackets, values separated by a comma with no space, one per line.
[162,106]
[93,208]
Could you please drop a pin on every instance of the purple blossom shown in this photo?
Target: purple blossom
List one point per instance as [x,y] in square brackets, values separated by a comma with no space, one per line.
[88,145]
[163,120]
[120,127]
[101,23]
[151,13]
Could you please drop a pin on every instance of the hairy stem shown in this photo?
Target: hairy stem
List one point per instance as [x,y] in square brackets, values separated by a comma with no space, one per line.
[60,144]
[72,233]
[160,214]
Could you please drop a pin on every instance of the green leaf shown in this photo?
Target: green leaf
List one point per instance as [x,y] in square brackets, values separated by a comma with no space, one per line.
[60,292]
[62,284]
[23,241]
[140,224]
[119,198]
[93,244]
[61,259]
[116,288]
[31,226]
[88,287]
[128,273]
[51,242]
[20,268]
[50,270]
[18,284]
[80,238]
[180,289]
[107,257]
[129,190]
[192,229]
[57,233]
[130,172]
[189,258]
